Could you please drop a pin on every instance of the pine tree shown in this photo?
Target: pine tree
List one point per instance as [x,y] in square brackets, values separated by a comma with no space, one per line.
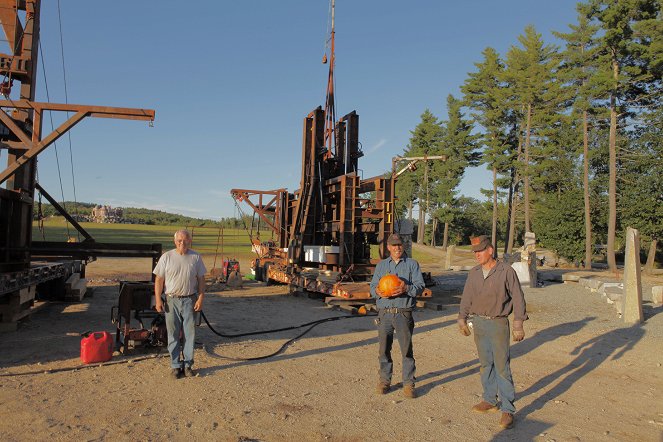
[577,68]
[425,140]
[484,95]
[623,73]
[460,147]
[529,73]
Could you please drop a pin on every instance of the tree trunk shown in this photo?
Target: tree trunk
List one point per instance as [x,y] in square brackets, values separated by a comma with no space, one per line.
[410,205]
[512,227]
[526,174]
[445,238]
[494,231]
[422,225]
[585,181]
[433,231]
[509,213]
[612,183]
[651,257]
[514,202]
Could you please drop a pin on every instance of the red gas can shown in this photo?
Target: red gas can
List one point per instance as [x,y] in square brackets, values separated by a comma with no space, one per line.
[96,347]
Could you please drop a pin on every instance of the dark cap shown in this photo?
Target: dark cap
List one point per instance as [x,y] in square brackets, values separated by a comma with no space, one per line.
[480,243]
[394,239]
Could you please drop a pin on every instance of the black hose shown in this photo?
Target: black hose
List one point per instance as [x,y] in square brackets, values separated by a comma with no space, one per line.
[311,325]
[263,332]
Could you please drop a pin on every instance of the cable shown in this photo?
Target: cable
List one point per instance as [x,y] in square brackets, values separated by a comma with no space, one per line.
[311,325]
[55,146]
[66,100]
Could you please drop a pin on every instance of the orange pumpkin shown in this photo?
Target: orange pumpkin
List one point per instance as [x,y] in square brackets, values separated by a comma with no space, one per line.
[389,284]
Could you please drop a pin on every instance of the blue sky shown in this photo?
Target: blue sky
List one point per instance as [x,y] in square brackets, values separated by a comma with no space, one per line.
[232,81]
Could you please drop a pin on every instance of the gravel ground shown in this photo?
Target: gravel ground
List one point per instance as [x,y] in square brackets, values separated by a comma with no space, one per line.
[580,374]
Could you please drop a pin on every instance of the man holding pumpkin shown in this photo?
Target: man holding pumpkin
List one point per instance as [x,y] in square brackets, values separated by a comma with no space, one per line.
[395,302]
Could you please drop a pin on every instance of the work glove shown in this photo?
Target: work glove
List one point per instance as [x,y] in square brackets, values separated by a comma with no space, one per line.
[464,329]
[518,332]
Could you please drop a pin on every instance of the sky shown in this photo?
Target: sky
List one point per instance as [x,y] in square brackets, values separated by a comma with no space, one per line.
[231,82]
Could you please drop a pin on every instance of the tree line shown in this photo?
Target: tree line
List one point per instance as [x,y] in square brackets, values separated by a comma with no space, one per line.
[571,135]
[83,211]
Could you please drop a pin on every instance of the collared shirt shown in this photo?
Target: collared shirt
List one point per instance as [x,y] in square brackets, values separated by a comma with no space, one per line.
[408,270]
[497,295]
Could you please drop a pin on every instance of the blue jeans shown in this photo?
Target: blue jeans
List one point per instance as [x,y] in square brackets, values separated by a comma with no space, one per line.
[180,320]
[403,324]
[492,339]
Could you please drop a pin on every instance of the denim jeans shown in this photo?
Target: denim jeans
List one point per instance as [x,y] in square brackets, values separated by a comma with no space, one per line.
[403,324]
[492,339]
[180,320]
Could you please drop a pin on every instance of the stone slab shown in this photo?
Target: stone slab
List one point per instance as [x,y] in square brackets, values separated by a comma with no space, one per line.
[593,284]
[570,277]
[632,283]
[657,294]
[523,273]
[552,277]
[618,286]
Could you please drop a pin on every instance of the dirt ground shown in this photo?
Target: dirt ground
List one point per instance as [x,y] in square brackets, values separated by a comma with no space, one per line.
[580,373]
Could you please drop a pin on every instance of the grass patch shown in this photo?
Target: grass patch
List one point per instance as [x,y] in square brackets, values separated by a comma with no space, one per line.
[206,240]
[234,243]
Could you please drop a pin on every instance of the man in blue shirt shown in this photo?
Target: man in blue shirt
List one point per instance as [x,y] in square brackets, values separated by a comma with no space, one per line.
[395,313]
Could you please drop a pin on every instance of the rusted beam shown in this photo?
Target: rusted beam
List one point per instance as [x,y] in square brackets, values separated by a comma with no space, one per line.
[80,113]
[37,149]
[64,213]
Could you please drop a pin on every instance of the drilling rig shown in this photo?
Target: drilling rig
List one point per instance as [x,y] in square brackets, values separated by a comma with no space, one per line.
[323,232]
[29,267]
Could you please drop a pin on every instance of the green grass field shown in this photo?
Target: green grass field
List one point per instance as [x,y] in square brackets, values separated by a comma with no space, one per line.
[206,240]
[233,243]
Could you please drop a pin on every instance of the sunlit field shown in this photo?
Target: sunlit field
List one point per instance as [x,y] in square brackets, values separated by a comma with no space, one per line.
[206,240]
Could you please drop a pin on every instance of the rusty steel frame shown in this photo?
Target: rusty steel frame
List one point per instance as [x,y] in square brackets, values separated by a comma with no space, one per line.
[22,118]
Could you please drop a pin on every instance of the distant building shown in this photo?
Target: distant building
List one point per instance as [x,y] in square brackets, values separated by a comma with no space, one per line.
[107,214]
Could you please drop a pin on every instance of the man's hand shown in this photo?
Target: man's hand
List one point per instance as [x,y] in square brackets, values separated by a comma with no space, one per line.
[400,290]
[518,335]
[198,306]
[518,331]
[464,329]
[158,304]
[397,292]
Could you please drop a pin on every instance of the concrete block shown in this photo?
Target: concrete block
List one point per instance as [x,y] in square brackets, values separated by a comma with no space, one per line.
[614,290]
[657,294]
[27,294]
[72,281]
[614,297]
[593,284]
[611,286]
[548,276]
[570,277]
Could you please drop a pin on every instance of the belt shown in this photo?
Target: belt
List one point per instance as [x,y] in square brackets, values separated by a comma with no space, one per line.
[488,317]
[187,296]
[395,309]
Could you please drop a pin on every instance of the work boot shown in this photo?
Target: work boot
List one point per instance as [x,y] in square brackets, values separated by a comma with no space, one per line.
[175,373]
[506,421]
[409,391]
[189,372]
[382,388]
[484,407]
